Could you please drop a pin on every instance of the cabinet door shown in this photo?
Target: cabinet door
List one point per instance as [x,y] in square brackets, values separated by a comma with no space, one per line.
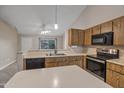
[121,81]
[112,78]
[96,30]
[117,31]
[74,37]
[121,36]
[81,38]
[106,27]
[50,64]
[87,39]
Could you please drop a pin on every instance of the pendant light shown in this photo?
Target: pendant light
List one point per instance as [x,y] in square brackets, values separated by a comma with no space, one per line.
[56,25]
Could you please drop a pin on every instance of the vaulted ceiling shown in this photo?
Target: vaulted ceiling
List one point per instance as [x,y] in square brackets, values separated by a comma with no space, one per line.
[28,19]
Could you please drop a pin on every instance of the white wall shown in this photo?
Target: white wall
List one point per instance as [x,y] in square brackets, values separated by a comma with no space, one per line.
[97,14]
[32,42]
[8,44]
[26,43]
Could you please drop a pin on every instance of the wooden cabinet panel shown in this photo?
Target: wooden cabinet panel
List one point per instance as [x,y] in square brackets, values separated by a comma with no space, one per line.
[121,81]
[96,30]
[64,61]
[112,78]
[81,38]
[115,75]
[114,67]
[121,33]
[87,37]
[75,37]
[117,30]
[50,64]
[50,59]
[106,27]
[122,69]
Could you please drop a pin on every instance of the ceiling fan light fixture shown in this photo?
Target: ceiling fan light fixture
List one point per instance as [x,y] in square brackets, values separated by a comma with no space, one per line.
[45,32]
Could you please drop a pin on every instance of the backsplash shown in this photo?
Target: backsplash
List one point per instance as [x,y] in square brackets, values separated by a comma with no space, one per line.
[121,49]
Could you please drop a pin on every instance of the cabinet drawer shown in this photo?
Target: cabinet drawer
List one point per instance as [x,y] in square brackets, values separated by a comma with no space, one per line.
[114,67]
[50,64]
[50,60]
[61,59]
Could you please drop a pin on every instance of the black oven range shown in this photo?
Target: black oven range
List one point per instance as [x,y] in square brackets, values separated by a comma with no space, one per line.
[96,64]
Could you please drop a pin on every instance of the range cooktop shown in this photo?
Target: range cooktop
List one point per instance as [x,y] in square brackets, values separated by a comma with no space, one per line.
[101,57]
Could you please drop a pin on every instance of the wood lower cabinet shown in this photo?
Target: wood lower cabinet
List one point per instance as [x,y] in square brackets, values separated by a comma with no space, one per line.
[64,61]
[50,64]
[106,27]
[121,81]
[114,75]
[87,37]
[112,78]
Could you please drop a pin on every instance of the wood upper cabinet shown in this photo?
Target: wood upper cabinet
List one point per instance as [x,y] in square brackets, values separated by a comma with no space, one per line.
[75,37]
[87,37]
[118,29]
[106,27]
[96,30]
[81,37]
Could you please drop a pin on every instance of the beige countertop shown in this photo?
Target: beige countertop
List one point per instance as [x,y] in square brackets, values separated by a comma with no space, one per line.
[119,61]
[26,56]
[57,77]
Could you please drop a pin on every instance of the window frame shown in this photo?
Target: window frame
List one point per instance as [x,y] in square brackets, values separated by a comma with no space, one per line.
[47,39]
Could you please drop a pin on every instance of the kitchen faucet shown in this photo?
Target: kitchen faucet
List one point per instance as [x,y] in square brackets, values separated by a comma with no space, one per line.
[55,51]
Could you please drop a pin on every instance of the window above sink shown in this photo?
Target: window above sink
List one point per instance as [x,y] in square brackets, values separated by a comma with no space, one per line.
[47,43]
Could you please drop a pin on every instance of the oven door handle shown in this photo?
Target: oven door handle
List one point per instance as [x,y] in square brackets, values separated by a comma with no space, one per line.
[96,60]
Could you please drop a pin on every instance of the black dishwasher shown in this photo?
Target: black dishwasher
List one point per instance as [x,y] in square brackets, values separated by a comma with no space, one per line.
[35,63]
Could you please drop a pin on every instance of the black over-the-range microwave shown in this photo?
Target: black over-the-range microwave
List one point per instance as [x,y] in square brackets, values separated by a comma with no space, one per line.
[103,39]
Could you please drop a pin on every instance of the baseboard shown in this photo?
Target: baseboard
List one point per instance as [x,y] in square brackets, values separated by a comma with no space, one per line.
[1,68]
